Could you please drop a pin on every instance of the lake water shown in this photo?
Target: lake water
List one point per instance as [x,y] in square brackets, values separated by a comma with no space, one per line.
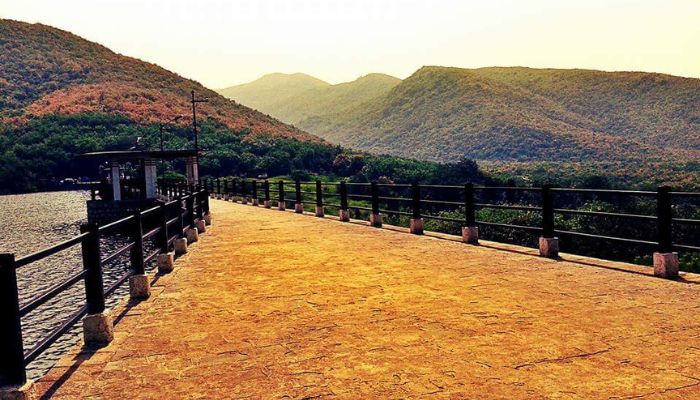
[30,223]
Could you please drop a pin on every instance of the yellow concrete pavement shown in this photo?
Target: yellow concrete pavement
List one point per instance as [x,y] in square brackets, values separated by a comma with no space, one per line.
[274,305]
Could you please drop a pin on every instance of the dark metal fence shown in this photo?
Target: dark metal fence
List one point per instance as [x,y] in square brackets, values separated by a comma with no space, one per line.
[164,223]
[550,205]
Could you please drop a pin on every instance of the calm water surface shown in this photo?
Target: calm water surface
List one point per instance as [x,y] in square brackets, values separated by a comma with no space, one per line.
[30,223]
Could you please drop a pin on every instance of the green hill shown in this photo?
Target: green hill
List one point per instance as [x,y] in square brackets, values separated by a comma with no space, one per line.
[45,71]
[528,115]
[305,101]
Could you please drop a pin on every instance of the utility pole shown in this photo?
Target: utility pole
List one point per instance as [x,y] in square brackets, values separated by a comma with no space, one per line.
[194,124]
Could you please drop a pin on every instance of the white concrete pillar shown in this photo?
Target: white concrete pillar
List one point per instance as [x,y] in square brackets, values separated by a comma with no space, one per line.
[149,173]
[192,171]
[116,185]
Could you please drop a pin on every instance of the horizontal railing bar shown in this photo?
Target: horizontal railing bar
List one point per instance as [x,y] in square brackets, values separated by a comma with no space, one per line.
[332,205]
[118,283]
[501,225]
[49,251]
[686,221]
[604,214]
[605,191]
[685,194]
[359,196]
[395,212]
[515,188]
[150,211]
[686,247]
[446,219]
[403,185]
[507,207]
[172,221]
[442,186]
[394,198]
[117,253]
[151,233]
[39,348]
[151,256]
[445,202]
[50,294]
[115,224]
[613,238]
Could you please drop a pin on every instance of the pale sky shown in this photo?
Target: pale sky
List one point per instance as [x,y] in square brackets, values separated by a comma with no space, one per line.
[220,43]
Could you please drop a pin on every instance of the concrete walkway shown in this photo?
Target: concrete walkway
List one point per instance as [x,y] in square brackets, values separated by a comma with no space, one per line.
[272,304]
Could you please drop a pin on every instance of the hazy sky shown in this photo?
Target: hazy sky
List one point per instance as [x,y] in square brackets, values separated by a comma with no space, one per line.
[220,43]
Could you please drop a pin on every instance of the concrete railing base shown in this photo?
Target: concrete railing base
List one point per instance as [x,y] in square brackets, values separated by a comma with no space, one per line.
[97,330]
[417,226]
[267,204]
[201,226]
[298,208]
[280,206]
[255,202]
[207,218]
[244,200]
[320,211]
[180,245]
[666,265]
[344,215]
[165,262]
[23,392]
[376,220]
[139,286]
[549,247]
[470,234]
[192,235]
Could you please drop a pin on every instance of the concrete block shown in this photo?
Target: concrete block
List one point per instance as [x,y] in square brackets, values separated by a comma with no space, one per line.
[417,226]
[139,287]
[267,204]
[201,226]
[180,246]
[470,234]
[280,206]
[192,235]
[320,211]
[666,265]
[244,200]
[207,218]
[375,220]
[549,247]
[255,202]
[165,262]
[98,330]
[298,208]
[23,392]
[344,215]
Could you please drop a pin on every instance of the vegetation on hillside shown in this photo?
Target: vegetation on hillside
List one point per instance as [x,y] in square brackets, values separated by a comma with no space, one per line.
[44,70]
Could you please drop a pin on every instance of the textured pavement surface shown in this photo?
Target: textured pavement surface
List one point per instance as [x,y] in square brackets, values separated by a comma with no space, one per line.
[271,304]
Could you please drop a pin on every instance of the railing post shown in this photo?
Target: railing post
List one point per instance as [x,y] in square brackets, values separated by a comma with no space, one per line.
[548,243]
[255,192]
[665,260]
[165,260]
[319,199]
[416,220]
[280,201]
[225,195]
[375,218]
[12,372]
[192,234]
[298,205]
[344,213]
[470,232]
[244,192]
[139,285]
[267,194]
[180,244]
[97,326]
[234,191]
[218,188]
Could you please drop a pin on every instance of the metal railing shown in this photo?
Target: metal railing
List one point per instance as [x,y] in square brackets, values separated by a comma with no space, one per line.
[164,223]
[427,201]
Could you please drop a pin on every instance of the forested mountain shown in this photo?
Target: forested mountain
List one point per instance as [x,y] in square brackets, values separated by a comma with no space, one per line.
[44,70]
[305,101]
